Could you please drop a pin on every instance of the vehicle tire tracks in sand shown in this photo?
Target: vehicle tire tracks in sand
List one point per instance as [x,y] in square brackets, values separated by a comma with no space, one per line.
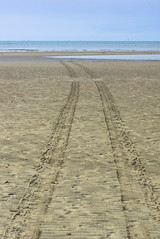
[29,215]
[141,209]
[70,70]
[139,203]
[87,70]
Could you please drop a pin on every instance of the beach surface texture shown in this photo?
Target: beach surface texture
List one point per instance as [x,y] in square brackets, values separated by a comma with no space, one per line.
[80,149]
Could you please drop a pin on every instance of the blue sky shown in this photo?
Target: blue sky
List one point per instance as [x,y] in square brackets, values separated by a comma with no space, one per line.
[80,20]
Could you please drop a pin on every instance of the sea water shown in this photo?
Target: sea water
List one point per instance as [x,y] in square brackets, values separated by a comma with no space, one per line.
[79,46]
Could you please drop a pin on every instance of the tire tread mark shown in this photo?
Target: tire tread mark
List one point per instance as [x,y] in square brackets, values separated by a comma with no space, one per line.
[38,194]
[70,70]
[87,70]
[134,158]
[103,101]
[126,157]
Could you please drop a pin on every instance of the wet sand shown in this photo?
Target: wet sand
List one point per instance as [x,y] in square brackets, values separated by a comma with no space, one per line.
[63,53]
[80,146]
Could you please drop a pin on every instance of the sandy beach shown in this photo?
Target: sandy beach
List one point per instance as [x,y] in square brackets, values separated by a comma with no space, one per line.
[80,146]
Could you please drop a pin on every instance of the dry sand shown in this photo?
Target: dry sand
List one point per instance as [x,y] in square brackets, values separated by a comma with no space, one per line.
[80,146]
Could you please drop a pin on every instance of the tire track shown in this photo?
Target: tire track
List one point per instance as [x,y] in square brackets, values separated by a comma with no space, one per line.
[87,70]
[137,195]
[29,215]
[70,70]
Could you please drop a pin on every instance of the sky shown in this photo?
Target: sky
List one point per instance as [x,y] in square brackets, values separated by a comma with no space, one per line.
[92,20]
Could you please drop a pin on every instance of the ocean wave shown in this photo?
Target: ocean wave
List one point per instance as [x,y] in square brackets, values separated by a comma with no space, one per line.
[79,46]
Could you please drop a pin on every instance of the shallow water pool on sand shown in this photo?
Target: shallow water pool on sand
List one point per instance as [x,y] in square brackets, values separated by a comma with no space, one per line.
[148,57]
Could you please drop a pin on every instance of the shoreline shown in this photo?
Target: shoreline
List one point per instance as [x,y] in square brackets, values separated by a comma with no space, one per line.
[79,53]
[49,56]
